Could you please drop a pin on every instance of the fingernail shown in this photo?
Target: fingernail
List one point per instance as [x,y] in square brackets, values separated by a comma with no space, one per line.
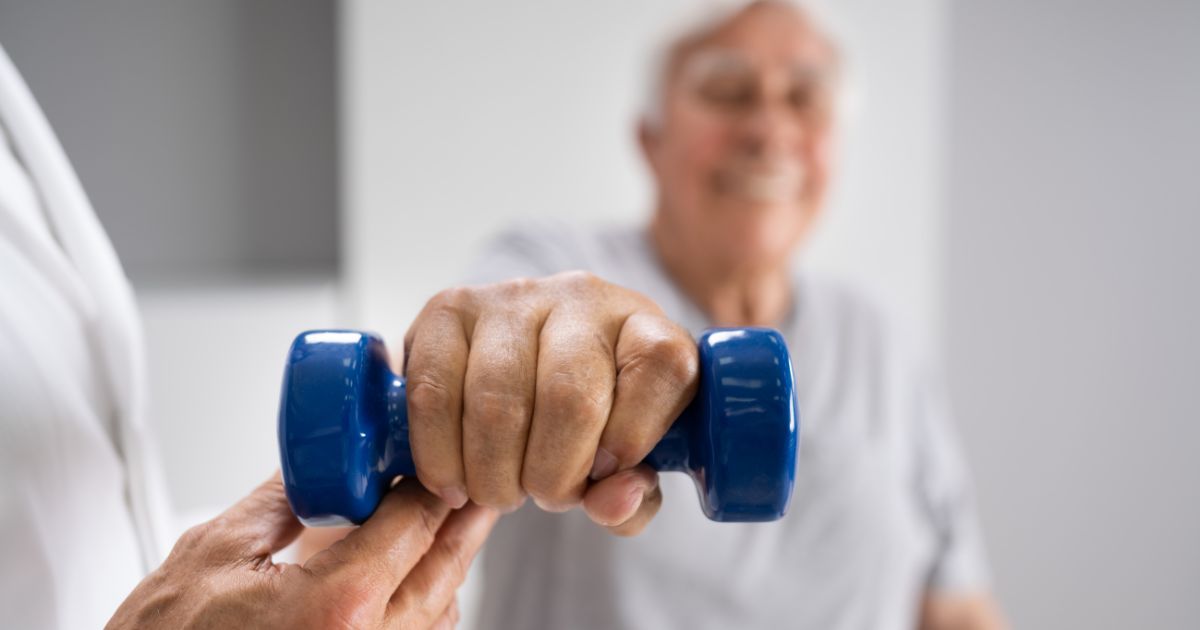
[513,508]
[454,496]
[548,506]
[634,502]
[627,508]
[604,465]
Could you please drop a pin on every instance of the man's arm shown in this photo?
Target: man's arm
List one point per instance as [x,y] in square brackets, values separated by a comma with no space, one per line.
[960,611]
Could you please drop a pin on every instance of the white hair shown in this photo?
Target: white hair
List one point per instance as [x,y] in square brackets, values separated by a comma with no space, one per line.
[701,18]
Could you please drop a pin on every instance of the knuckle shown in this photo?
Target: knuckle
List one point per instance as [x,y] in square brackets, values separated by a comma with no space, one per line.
[515,296]
[678,360]
[579,280]
[569,397]
[349,606]
[427,396]
[194,538]
[452,299]
[496,408]
[516,286]
[209,541]
[668,359]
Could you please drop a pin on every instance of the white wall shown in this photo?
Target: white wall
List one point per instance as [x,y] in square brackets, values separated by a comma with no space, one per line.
[461,116]
[216,354]
[1074,303]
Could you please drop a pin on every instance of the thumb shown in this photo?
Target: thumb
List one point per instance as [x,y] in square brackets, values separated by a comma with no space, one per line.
[260,524]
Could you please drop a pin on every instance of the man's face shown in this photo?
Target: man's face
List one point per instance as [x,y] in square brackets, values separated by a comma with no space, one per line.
[743,148]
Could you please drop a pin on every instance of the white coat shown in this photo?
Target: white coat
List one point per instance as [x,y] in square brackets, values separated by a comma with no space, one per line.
[82,512]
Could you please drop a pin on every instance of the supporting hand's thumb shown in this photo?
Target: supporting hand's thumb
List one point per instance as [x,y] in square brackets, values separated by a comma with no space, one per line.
[260,524]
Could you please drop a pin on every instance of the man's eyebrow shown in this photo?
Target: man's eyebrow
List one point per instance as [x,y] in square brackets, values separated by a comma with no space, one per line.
[706,62]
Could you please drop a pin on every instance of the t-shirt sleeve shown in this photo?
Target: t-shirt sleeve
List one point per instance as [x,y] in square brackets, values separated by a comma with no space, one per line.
[945,489]
[527,250]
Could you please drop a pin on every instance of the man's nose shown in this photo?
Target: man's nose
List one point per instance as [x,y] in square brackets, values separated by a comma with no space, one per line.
[770,129]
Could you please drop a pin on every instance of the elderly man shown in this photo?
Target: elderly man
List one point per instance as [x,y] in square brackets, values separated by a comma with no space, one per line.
[555,385]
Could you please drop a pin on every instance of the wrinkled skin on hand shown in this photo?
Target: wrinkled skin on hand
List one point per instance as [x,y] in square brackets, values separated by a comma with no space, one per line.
[399,570]
[555,388]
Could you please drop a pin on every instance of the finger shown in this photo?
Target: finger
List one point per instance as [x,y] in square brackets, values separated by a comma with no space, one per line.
[314,539]
[448,619]
[436,359]
[657,376]
[429,589]
[387,546]
[575,378]
[498,405]
[260,524]
[624,502]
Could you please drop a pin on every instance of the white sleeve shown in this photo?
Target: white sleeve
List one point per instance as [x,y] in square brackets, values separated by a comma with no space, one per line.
[945,490]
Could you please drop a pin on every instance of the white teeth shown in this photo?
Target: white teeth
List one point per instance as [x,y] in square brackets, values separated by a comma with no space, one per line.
[767,188]
[778,186]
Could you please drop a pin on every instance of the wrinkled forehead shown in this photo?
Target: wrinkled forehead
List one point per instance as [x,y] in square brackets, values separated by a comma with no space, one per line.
[762,38]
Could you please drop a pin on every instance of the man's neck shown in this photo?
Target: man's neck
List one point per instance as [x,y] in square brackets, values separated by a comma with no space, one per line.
[730,297]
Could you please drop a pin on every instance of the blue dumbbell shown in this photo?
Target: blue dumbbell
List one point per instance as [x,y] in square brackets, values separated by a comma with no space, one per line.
[343,427]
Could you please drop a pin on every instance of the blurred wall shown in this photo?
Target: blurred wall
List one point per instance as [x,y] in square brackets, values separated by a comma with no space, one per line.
[204,132]
[216,353]
[1074,302]
[461,117]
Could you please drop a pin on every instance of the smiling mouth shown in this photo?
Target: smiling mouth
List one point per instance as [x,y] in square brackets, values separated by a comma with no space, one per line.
[772,185]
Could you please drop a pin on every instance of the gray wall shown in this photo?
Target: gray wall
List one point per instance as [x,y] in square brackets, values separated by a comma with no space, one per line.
[204,132]
[1073,300]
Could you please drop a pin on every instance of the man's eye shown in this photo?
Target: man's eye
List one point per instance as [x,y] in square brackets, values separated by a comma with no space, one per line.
[811,102]
[727,93]
[802,98]
[809,94]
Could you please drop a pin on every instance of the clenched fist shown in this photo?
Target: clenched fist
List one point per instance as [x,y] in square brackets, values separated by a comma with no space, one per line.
[555,388]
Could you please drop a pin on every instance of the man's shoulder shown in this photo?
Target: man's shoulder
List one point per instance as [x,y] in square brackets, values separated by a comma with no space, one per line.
[564,234]
[544,232]
[856,320]
[832,300]
[554,245]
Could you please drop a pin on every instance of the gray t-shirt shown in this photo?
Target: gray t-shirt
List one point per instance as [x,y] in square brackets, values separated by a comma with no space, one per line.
[882,510]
